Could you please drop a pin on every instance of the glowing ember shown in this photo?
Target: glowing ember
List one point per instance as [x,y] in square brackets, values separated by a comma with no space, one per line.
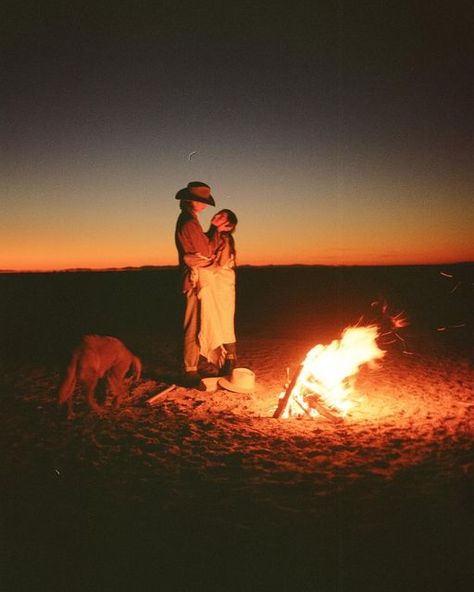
[324,382]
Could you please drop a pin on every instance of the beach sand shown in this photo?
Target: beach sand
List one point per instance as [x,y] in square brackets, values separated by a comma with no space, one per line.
[206,490]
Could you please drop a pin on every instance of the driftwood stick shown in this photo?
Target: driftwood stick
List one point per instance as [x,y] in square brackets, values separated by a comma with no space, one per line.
[283,402]
[157,398]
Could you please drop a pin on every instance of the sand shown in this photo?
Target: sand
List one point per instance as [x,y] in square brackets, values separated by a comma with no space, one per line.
[206,490]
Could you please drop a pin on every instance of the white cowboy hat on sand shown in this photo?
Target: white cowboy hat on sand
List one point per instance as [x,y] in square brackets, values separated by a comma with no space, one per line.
[242,380]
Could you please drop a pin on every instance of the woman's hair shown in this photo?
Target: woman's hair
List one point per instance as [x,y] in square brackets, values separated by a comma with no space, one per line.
[231,218]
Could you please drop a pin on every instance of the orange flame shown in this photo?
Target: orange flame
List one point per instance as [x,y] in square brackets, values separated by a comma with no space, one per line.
[327,373]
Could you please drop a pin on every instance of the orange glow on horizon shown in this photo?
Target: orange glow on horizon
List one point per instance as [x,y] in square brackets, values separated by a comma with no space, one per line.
[57,243]
[117,262]
[101,255]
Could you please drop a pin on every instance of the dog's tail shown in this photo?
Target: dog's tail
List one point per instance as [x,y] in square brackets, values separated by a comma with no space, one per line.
[137,368]
[67,387]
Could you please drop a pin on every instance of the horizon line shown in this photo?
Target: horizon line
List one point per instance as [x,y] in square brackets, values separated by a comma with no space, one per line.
[157,267]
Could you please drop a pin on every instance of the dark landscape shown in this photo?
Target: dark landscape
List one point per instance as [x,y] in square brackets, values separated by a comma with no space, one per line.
[206,491]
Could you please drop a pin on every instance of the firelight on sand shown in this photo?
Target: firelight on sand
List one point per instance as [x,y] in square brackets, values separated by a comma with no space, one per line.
[324,382]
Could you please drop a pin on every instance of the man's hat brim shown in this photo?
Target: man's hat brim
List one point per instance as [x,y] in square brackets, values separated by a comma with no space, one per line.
[235,388]
[185,195]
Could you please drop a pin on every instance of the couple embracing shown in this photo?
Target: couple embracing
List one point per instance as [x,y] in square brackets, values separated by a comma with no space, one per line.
[207,263]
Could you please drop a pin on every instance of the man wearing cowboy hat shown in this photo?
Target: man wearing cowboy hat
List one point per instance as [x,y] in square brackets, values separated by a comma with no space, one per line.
[192,241]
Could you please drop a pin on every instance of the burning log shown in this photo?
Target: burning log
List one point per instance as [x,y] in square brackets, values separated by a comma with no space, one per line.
[312,401]
[323,410]
[283,401]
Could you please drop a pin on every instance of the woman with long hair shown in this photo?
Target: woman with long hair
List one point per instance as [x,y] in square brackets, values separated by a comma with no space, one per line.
[216,293]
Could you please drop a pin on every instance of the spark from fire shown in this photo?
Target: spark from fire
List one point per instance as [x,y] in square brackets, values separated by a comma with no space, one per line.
[324,383]
[389,324]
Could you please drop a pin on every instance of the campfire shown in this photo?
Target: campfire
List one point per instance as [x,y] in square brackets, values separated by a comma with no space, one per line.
[324,383]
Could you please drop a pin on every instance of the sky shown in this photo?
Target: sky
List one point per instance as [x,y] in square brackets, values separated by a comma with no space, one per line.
[340,132]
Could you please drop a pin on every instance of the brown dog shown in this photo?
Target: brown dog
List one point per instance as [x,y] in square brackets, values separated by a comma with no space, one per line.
[94,358]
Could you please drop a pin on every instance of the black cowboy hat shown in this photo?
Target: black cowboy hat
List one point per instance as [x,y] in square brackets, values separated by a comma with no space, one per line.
[196,191]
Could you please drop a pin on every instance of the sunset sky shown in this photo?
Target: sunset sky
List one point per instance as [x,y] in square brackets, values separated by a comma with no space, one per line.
[339,132]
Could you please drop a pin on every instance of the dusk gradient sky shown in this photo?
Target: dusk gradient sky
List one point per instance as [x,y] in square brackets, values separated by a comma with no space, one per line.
[339,132]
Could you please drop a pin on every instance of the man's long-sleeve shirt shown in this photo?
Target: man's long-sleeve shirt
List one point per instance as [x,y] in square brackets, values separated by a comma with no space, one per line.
[190,239]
